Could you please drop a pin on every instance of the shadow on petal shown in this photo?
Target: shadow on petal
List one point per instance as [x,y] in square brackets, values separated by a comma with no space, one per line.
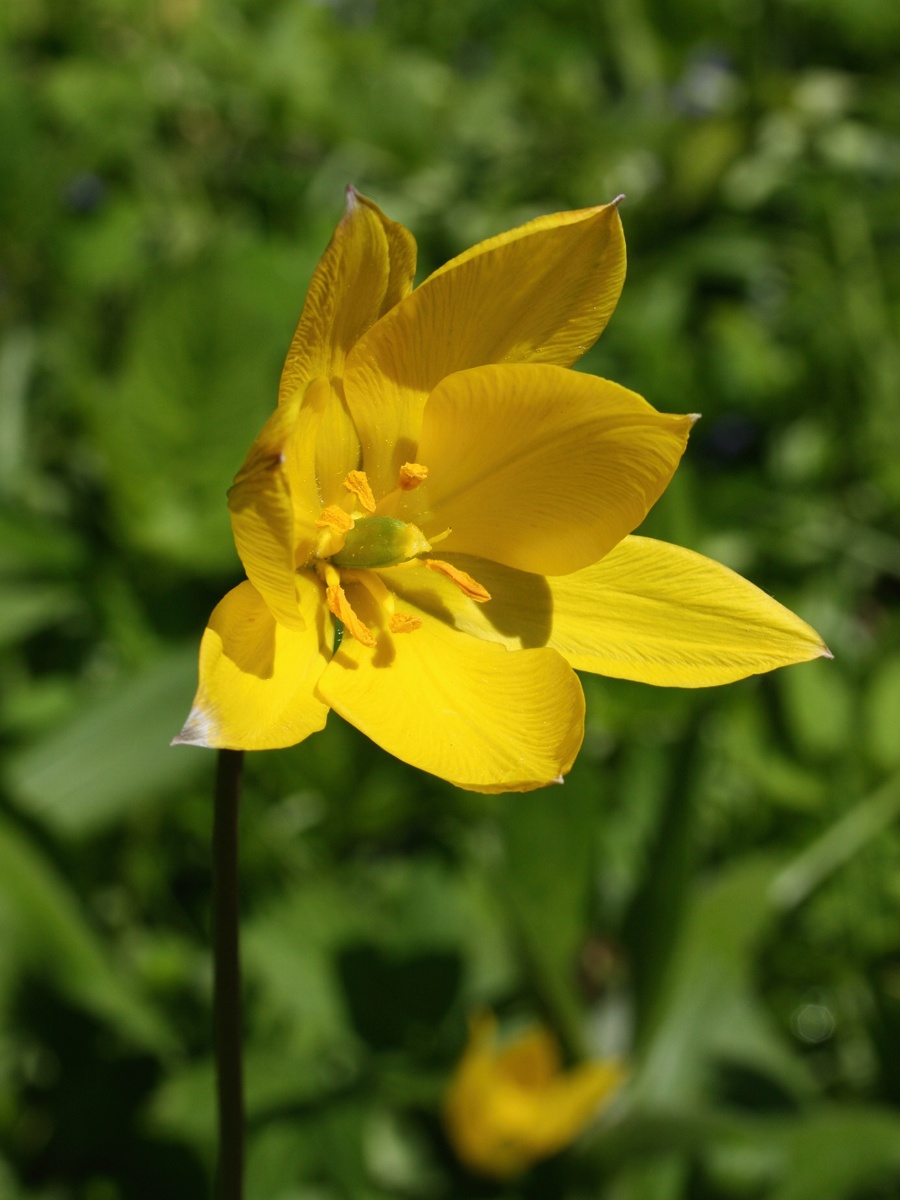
[250,644]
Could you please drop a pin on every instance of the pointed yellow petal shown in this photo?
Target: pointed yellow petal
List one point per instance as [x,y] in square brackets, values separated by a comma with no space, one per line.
[337,452]
[538,467]
[664,615]
[532,1059]
[465,710]
[542,293]
[367,268]
[649,611]
[257,678]
[572,1102]
[509,1106]
[274,504]
[532,1124]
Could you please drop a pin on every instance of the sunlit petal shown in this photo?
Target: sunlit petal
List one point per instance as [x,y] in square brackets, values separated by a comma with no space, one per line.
[337,450]
[649,611]
[538,467]
[257,677]
[662,614]
[541,293]
[463,709]
[367,268]
[273,504]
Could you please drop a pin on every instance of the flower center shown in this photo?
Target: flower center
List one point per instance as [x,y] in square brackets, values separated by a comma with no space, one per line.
[380,542]
[352,545]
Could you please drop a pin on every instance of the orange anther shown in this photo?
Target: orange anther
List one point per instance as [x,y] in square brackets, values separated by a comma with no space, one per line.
[411,475]
[358,485]
[467,585]
[335,518]
[336,599]
[402,622]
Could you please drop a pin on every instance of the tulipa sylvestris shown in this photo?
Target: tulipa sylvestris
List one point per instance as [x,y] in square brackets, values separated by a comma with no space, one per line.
[511,1105]
[436,521]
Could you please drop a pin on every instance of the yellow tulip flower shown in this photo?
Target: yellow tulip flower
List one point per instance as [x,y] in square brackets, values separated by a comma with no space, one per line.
[435,522]
[510,1106]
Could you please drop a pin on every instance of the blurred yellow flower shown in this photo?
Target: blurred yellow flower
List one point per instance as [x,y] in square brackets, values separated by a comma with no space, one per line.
[435,520]
[509,1106]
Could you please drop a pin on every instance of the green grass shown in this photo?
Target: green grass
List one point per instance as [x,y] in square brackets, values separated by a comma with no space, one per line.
[716,890]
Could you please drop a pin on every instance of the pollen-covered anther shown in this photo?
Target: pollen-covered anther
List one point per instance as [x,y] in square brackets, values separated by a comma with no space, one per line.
[467,585]
[335,518]
[411,475]
[339,606]
[333,525]
[358,485]
[402,622]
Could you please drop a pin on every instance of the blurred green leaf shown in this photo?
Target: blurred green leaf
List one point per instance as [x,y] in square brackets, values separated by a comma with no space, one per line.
[706,1010]
[882,714]
[778,777]
[280,1161]
[28,544]
[827,1151]
[548,875]
[28,607]
[831,1152]
[171,172]
[837,845]
[199,379]
[275,1081]
[45,931]
[657,911]
[819,708]
[114,756]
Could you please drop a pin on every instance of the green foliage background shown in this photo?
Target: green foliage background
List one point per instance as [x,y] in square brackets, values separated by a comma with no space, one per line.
[716,890]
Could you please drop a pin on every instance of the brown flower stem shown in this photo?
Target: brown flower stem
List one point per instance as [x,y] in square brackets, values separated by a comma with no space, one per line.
[229,1183]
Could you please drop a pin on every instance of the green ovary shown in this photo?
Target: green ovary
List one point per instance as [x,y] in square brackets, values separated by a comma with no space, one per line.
[380,542]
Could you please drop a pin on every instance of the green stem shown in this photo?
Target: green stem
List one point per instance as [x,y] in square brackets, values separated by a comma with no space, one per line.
[227,978]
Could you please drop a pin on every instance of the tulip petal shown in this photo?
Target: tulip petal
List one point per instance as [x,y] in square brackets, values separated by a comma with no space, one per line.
[665,615]
[541,293]
[337,447]
[463,709]
[274,503]
[257,677]
[509,1106]
[649,611]
[538,467]
[574,1100]
[367,268]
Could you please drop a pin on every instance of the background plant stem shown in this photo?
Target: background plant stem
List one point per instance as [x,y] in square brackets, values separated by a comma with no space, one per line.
[227,972]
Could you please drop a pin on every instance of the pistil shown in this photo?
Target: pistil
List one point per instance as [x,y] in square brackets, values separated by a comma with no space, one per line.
[353,545]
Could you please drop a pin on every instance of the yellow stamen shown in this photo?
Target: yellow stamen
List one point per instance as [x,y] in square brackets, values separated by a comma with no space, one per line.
[336,599]
[333,517]
[335,524]
[466,584]
[402,622]
[398,622]
[358,485]
[411,475]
